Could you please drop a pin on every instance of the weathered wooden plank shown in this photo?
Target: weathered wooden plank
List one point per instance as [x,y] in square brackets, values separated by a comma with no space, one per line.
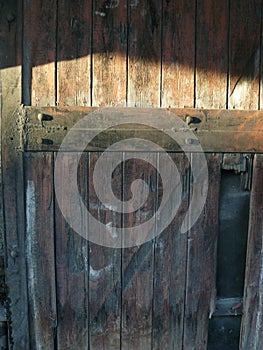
[201,263]
[73,53]
[211,54]
[109,53]
[244,54]
[137,281]
[217,130]
[144,53]
[12,168]
[104,264]
[40,253]
[170,271]
[39,49]
[12,163]
[252,325]
[72,269]
[178,53]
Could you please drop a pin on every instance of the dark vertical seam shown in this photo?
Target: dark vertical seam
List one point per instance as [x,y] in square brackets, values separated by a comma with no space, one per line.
[154,250]
[26,64]
[91,52]
[228,54]
[188,181]
[55,339]
[56,57]
[195,52]
[161,58]
[127,49]
[260,57]
[87,167]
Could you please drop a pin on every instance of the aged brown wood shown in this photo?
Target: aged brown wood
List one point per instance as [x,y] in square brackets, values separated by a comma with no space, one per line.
[211,54]
[178,53]
[109,53]
[252,326]
[12,168]
[144,53]
[72,271]
[73,53]
[39,45]
[244,54]
[16,278]
[170,272]
[217,130]
[201,264]
[138,288]
[39,250]
[104,269]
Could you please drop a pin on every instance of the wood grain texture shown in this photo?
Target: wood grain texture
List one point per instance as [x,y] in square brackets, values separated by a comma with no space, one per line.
[144,53]
[201,263]
[170,271]
[39,46]
[109,53]
[12,173]
[217,130]
[16,278]
[137,261]
[104,266]
[72,269]
[211,54]
[244,54]
[178,53]
[252,325]
[40,252]
[73,52]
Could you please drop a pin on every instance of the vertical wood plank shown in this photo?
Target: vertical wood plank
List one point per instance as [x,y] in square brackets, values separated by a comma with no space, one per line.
[252,324]
[211,54]
[72,270]
[16,277]
[201,264]
[109,52]
[39,42]
[73,52]
[178,53]
[40,250]
[144,53]
[137,262]
[104,268]
[12,172]
[170,272]
[244,51]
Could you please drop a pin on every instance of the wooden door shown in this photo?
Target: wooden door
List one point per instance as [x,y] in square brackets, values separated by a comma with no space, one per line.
[67,292]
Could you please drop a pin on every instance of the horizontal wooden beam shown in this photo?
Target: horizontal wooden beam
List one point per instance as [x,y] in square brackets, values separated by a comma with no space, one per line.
[216,130]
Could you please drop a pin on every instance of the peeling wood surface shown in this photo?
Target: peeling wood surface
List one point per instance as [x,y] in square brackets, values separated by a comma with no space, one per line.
[40,249]
[72,277]
[252,326]
[12,174]
[104,267]
[94,53]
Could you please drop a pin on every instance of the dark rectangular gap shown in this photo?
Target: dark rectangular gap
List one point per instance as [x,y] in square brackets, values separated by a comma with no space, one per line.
[224,326]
